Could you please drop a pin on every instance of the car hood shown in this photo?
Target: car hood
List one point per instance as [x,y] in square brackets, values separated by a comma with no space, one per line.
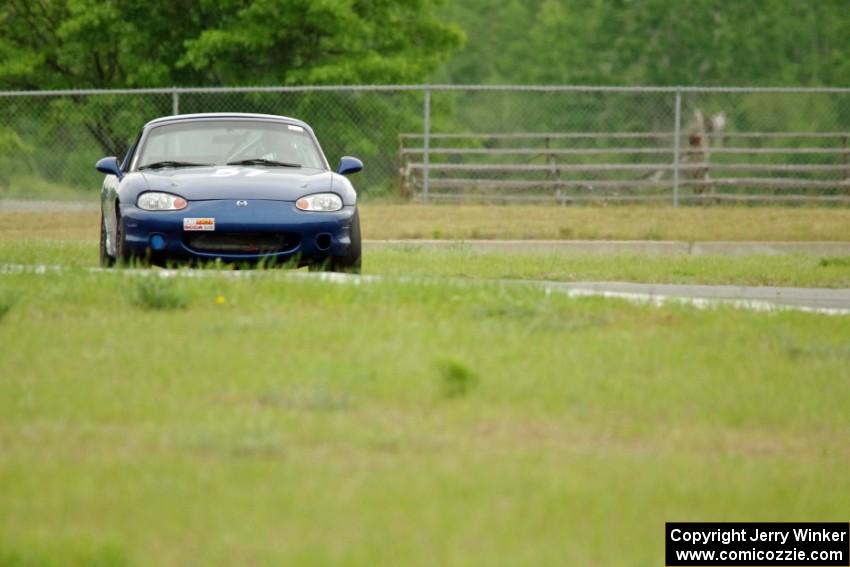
[236,182]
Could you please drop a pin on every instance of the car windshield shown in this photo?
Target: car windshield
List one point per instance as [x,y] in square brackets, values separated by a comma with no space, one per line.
[235,142]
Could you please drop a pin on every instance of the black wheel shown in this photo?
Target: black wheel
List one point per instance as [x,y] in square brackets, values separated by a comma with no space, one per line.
[106,260]
[123,256]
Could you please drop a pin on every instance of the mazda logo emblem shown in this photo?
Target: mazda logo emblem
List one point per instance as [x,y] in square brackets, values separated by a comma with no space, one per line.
[241,203]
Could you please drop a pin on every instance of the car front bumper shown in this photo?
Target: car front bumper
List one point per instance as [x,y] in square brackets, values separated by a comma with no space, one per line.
[251,231]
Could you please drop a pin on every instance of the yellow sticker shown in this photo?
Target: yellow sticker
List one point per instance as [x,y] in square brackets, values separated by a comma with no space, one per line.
[199,224]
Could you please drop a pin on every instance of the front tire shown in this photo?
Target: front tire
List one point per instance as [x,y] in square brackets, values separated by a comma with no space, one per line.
[123,256]
[106,260]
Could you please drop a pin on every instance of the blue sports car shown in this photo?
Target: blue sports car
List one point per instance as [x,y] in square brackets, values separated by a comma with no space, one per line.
[240,188]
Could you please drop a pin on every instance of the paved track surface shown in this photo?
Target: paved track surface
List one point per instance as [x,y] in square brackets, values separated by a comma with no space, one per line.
[41,206]
[836,301]
[816,300]
[638,247]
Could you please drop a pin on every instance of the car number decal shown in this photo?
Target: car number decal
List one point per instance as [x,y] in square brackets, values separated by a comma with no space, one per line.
[199,224]
[233,171]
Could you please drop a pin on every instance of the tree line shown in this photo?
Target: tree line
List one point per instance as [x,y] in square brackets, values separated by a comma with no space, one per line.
[102,44]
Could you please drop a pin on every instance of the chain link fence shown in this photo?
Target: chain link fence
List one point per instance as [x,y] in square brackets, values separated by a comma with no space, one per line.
[554,144]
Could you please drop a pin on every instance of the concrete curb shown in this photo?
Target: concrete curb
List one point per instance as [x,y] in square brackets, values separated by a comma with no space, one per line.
[812,300]
[825,299]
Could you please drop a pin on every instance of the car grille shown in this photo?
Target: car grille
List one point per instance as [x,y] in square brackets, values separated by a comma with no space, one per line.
[242,242]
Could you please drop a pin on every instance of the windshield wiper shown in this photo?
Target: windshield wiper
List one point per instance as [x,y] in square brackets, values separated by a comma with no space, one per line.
[167,163]
[263,161]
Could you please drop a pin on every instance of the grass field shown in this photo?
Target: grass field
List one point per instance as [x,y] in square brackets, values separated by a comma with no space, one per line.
[70,239]
[412,261]
[33,187]
[387,221]
[271,420]
[605,222]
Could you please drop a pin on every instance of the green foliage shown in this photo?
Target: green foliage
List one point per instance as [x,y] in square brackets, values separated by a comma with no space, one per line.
[158,294]
[456,379]
[11,142]
[777,42]
[321,42]
[652,42]
[835,261]
[14,152]
[138,43]
[647,43]
[7,301]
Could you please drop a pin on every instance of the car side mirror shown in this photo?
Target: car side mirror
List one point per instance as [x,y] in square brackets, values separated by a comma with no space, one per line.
[348,164]
[110,166]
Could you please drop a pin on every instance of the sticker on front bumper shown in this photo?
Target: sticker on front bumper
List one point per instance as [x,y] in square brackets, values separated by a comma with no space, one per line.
[199,224]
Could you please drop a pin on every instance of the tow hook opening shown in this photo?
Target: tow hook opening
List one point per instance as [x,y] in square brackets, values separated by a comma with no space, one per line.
[323,242]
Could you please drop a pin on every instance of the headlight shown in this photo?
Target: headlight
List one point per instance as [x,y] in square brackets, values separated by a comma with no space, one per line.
[160,202]
[325,202]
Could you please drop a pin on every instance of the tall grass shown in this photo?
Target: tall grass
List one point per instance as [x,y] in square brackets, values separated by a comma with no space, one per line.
[6,303]
[156,293]
[299,421]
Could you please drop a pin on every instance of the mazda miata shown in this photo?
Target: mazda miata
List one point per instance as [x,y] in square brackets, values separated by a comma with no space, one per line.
[235,188]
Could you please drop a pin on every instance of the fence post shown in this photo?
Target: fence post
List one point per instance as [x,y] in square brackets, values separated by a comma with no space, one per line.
[677,129]
[175,102]
[426,143]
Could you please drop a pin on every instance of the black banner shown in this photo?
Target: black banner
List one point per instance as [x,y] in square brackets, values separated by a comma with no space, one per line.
[753,543]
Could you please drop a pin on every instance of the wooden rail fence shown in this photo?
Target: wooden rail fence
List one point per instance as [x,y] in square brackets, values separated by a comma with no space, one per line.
[635,166]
